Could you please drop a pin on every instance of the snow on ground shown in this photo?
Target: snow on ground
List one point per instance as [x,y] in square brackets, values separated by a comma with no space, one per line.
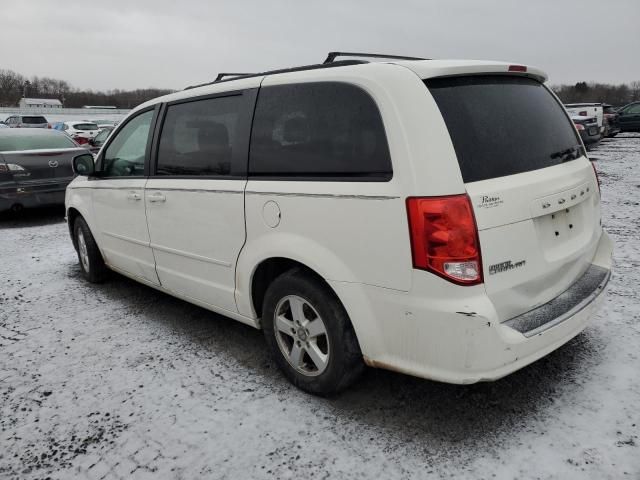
[121,381]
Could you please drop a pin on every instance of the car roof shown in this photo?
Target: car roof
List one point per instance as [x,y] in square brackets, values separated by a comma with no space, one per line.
[25,132]
[422,68]
[78,122]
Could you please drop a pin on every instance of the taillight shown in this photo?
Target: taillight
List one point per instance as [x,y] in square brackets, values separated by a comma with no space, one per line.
[595,172]
[444,238]
[81,140]
[579,127]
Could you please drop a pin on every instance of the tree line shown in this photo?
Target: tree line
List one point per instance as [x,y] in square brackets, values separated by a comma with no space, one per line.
[583,92]
[14,86]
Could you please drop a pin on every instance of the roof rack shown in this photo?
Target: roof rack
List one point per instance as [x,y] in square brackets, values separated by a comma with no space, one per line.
[339,63]
[221,76]
[332,56]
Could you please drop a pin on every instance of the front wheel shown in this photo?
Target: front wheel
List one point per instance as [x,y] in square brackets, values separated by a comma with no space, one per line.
[91,262]
[310,335]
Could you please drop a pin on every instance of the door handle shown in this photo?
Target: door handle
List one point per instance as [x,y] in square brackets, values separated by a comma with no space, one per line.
[157,197]
[134,196]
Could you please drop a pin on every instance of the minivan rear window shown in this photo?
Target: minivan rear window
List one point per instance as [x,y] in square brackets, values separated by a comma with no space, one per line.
[34,120]
[503,125]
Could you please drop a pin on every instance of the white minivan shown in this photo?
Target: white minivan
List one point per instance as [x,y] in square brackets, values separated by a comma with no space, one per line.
[436,218]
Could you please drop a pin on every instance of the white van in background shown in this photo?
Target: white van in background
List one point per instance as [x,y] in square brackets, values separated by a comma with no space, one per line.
[588,110]
[438,218]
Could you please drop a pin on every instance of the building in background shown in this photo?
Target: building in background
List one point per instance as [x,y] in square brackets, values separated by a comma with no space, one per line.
[40,103]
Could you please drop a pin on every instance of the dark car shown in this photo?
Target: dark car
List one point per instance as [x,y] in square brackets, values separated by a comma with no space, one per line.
[95,144]
[35,167]
[611,120]
[629,117]
[27,121]
[588,129]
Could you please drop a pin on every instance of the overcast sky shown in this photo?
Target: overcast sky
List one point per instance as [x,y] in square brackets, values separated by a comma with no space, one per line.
[173,43]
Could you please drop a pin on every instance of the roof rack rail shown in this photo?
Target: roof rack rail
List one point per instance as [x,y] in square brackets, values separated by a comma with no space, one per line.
[223,75]
[332,56]
[338,63]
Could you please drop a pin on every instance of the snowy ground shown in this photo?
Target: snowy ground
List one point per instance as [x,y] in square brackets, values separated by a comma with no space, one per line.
[120,381]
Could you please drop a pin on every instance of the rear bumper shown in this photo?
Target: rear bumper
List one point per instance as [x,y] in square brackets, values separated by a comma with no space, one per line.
[461,340]
[32,196]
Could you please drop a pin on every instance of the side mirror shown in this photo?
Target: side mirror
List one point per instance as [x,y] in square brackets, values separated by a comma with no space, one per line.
[83,165]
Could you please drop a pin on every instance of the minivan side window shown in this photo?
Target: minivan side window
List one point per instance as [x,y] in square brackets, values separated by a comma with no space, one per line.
[324,130]
[202,137]
[125,155]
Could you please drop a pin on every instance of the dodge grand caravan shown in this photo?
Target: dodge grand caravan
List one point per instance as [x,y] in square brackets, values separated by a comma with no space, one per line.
[436,218]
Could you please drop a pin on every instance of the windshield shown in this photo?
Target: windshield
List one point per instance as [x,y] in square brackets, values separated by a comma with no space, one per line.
[503,125]
[12,143]
[33,120]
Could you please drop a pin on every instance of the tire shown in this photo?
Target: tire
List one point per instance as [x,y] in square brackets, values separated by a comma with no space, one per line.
[91,262]
[312,301]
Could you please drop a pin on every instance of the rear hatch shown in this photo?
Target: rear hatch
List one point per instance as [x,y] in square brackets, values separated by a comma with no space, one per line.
[534,193]
[35,121]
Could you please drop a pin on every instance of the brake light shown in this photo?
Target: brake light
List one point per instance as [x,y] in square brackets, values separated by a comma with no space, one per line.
[579,126]
[595,172]
[444,238]
[517,68]
[81,140]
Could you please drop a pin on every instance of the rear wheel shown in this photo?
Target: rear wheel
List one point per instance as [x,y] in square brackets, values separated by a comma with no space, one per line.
[91,262]
[310,334]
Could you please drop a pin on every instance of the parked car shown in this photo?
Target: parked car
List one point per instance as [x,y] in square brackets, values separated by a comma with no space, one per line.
[588,110]
[611,121]
[96,143]
[359,213]
[588,129]
[81,131]
[104,123]
[629,117]
[3,125]
[27,121]
[35,167]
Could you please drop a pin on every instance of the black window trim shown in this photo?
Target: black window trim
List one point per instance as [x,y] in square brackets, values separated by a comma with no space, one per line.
[154,120]
[368,177]
[251,95]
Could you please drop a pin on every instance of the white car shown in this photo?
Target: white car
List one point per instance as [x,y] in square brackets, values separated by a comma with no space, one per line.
[81,129]
[436,218]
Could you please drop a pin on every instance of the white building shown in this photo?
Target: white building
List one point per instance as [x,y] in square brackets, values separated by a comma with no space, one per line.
[40,103]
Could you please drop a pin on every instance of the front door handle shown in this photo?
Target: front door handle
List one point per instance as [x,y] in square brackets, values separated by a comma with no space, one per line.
[157,197]
[134,196]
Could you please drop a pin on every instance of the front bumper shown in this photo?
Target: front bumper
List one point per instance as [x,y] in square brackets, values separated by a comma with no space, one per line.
[460,340]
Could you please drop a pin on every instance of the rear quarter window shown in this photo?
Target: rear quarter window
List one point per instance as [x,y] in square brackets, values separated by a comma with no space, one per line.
[318,130]
[503,125]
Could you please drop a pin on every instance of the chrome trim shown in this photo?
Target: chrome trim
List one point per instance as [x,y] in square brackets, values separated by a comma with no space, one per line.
[191,190]
[537,315]
[323,195]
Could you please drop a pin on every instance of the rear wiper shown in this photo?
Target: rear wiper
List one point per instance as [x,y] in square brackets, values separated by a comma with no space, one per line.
[568,154]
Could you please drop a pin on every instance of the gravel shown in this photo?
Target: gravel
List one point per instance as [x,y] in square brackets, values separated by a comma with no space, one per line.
[121,381]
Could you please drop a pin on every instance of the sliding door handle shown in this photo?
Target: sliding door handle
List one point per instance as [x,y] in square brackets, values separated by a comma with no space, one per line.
[134,196]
